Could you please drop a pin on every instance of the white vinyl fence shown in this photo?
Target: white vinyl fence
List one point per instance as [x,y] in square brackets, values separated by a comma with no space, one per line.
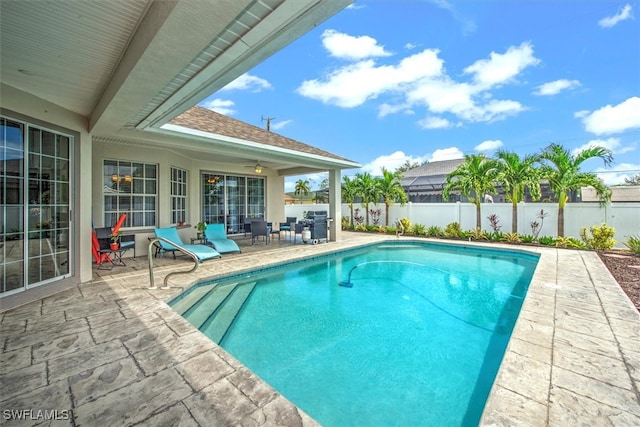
[623,217]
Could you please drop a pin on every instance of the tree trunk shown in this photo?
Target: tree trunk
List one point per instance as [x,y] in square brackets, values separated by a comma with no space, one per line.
[514,217]
[386,214]
[478,216]
[561,221]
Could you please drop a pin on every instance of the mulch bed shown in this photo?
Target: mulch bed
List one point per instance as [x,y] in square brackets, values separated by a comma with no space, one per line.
[625,268]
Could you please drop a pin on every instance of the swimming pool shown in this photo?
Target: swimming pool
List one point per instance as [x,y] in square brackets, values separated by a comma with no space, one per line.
[416,340]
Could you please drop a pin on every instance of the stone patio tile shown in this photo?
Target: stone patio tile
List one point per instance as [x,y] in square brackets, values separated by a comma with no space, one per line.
[16,359]
[595,390]
[625,328]
[602,368]
[148,337]
[535,303]
[598,330]
[289,416]
[253,387]
[45,321]
[84,310]
[509,409]
[85,359]
[177,415]
[12,326]
[23,380]
[525,348]
[570,409]
[615,309]
[203,370]
[114,330]
[177,323]
[52,397]
[61,346]
[136,402]
[103,319]
[527,376]
[172,352]
[221,403]
[533,332]
[586,342]
[68,295]
[568,294]
[89,385]
[46,335]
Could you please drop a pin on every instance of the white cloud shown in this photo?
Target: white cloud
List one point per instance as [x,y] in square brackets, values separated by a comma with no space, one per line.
[615,175]
[222,106]
[422,80]
[248,82]
[450,153]
[354,84]
[612,144]
[390,162]
[502,68]
[433,122]
[410,46]
[489,145]
[555,87]
[614,119]
[623,14]
[352,48]
[280,124]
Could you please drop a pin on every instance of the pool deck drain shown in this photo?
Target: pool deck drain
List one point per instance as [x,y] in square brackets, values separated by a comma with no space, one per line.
[112,352]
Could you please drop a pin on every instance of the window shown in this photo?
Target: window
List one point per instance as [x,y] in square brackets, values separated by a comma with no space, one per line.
[178,195]
[131,188]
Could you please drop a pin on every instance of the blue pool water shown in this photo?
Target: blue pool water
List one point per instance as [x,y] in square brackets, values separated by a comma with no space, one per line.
[416,340]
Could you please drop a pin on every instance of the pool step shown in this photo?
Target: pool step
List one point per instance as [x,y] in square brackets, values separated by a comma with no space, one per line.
[208,303]
[192,298]
[218,324]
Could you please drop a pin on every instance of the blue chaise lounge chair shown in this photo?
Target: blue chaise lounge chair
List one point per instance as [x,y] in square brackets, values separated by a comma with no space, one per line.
[203,252]
[217,237]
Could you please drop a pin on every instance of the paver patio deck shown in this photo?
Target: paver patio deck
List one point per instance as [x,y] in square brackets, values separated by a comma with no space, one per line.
[112,352]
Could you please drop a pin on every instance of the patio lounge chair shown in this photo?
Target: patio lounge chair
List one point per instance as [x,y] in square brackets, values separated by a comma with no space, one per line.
[289,225]
[217,237]
[203,252]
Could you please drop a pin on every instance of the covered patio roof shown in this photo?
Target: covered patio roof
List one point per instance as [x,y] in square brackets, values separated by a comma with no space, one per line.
[134,65]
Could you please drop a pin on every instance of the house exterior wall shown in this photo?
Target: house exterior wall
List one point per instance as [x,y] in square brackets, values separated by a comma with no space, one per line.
[166,159]
[24,106]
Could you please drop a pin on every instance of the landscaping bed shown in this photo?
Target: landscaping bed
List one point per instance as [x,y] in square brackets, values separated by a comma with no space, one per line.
[625,268]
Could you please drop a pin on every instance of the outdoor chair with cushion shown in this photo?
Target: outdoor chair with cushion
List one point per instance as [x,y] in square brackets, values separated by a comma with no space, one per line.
[288,225]
[203,252]
[217,237]
[259,228]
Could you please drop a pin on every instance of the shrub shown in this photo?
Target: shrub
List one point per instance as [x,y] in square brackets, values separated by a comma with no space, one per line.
[547,240]
[434,231]
[599,237]
[494,220]
[360,227]
[527,238]
[633,243]
[345,222]
[568,242]
[512,237]
[390,230]
[453,229]
[496,236]
[406,224]
[419,230]
[476,234]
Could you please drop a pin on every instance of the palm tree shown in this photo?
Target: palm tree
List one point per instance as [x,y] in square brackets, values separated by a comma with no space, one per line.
[478,175]
[562,169]
[368,190]
[302,188]
[391,190]
[516,174]
[349,193]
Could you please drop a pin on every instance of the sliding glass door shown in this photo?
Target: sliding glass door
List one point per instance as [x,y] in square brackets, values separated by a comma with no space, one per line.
[231,200]
[34,215]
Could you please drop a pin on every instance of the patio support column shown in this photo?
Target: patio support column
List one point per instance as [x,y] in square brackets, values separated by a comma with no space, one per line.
[335,205]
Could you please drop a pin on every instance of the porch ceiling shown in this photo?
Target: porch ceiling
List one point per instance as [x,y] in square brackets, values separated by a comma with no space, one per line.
[139,63]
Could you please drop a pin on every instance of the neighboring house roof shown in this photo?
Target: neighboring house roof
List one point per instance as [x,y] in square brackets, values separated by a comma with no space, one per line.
[205,120]
[431,175]
[443,167]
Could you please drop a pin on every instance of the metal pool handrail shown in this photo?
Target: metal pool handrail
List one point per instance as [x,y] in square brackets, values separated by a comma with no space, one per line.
[181,249]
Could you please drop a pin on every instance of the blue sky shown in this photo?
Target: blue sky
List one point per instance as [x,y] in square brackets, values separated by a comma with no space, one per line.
[384,81]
